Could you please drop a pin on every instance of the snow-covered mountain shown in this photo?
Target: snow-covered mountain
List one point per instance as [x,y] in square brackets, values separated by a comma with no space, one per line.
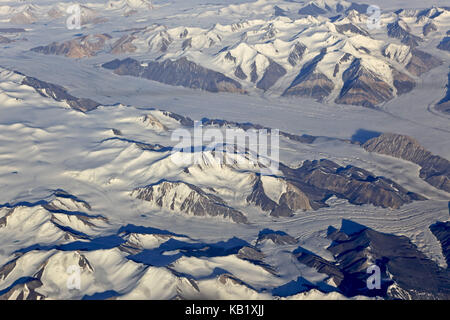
[115,185]
[309,55]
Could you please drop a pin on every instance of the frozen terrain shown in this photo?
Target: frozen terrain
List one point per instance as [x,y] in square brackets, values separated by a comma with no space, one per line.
[89,179]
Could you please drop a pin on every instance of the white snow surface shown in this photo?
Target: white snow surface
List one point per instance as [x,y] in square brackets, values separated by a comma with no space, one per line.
[46,146]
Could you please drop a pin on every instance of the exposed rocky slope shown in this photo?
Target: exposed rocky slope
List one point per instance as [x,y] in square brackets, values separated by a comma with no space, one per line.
[421,62]
[213,230]
[296,55]
[311,83]
[406,273]
[445,44]
[327,55]
[400,30]
[277,237]
[292,199]
[325,178]
[441,231]
[320,8]
[402,82]
[302,189]
[81,47]
[273,72]
[145,261]
[59,93]
[189,199]
[444,104]
[434,169]
[181,72]
[363,87]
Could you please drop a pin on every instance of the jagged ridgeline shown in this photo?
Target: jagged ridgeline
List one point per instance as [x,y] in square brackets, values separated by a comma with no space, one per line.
[60,234]
[324,51]
[100,199]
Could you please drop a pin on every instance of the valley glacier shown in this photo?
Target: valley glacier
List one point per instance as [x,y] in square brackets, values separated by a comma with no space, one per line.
[87,171]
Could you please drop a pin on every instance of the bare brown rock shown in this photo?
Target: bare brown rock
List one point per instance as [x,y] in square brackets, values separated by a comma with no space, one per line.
[81,47]
[434,169]
[362,87]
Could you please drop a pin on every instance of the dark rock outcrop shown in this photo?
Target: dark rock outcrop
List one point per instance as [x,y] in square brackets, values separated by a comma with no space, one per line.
[253,73]
[358,186]
[312,9]
[124,45]
[358,7]
[186,44]
[184,121]
[406,273]
[422,62]
[240,73]
[444,44]
[279,12]
[434,169]
[400,30]
[362,87]
[444,104]
[189,199]
[310,82]
[165,42]
[402,82]
[181,72]
[291,200]
[312,85]
[319,9]
[23,289]
[255,256]
[441,231]
[320,264]
[59,93]
[80,47]
[230,57]
[350,27]
[277,237]
[259,198]
[296,54]
[273,72]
